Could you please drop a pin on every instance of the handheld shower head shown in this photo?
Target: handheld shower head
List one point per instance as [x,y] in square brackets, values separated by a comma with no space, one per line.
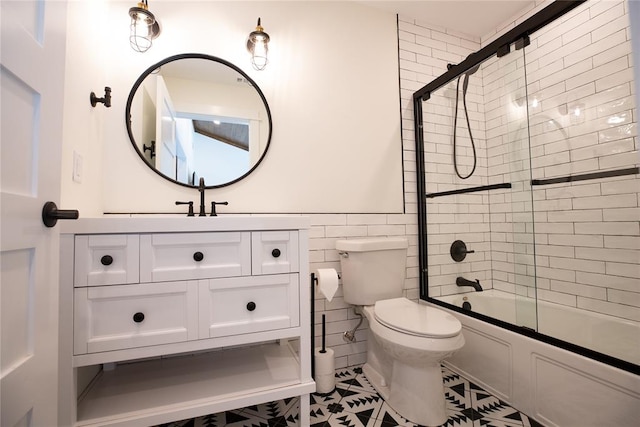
[465,86]
[472,70]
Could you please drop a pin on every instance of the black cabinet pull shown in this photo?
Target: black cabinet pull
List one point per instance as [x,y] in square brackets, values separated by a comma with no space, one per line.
[138,317]
[251,306]
[198,256]
[275,253]
[106,260]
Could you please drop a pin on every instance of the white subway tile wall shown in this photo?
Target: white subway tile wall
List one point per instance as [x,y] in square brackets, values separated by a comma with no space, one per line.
[578,113]
[582,118]
[585,121]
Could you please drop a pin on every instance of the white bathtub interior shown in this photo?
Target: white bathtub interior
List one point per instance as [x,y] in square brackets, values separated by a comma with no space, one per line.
[611,335]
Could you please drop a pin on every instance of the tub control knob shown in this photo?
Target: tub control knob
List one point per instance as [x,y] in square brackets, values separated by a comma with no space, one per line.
[459,251]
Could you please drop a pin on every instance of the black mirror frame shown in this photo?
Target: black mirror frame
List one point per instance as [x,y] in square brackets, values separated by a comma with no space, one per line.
[136,85]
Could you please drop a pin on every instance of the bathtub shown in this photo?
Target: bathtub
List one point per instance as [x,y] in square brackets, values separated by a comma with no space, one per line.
[555,386]
[605,334]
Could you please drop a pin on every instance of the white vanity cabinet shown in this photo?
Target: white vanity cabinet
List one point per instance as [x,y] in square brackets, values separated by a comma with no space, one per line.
[164,319]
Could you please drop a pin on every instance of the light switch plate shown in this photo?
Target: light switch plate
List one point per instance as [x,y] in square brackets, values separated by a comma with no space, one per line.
[77,167]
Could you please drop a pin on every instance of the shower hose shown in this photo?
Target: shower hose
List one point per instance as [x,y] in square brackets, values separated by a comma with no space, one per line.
[465,85]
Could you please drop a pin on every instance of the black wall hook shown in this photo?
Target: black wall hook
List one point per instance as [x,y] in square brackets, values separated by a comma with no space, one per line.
[151,148]
[106,100]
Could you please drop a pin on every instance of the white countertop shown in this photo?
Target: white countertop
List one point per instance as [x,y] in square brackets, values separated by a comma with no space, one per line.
[173,223]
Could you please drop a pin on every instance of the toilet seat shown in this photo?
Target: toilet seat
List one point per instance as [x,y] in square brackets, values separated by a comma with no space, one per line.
[412,318]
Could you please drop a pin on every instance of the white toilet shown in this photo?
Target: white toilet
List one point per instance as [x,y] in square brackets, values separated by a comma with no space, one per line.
[407,341]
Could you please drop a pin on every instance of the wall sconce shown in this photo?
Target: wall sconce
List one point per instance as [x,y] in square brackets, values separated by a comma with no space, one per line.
[258,46]
[144,27]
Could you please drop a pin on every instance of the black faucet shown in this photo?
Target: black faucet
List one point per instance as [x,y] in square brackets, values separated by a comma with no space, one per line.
[461,281]
[201,189]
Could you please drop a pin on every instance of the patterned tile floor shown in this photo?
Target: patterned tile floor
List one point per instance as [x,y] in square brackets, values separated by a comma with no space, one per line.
[355,403]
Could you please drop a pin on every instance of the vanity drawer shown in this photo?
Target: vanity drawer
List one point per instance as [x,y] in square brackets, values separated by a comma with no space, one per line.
[248,304]
[106,259]
[117,317]
[275,252]
[183,256]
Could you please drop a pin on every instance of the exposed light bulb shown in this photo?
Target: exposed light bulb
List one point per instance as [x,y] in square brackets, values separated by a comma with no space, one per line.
[258,46]
[144,27]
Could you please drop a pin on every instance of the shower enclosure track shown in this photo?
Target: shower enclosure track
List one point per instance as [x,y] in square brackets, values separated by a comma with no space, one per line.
[499,45]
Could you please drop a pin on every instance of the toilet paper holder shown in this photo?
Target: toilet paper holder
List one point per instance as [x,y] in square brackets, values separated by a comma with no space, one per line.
[314,279]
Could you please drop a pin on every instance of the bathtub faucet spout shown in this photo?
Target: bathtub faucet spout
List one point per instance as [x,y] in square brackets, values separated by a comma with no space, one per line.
[461,281]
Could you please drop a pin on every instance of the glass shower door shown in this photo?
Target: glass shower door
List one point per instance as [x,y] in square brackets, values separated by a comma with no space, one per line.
[478,174]
[510,210]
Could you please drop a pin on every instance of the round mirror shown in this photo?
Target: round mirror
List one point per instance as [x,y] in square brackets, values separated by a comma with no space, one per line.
[194,117]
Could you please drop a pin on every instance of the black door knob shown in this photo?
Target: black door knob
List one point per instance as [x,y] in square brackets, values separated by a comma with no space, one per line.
[51,214]
[198,256]
[138,317]
[106,260]
[251,306]
[275,253]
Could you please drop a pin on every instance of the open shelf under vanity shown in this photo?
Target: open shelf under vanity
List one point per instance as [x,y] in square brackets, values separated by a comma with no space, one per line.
[148,392]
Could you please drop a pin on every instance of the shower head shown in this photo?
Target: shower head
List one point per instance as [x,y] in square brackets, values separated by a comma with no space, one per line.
[465,82]
[472,70]
[467,73]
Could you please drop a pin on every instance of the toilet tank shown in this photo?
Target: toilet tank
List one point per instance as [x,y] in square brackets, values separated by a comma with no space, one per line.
[372,269]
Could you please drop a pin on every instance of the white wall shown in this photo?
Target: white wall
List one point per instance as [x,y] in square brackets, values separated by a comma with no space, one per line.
[331,85]
[83,129]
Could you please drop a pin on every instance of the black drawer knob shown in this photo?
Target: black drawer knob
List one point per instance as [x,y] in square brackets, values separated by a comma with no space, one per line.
[106,260]
[275,253]
[251,306]
[198,256]
[138,317]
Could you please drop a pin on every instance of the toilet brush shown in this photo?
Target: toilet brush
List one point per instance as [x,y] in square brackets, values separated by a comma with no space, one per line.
[324,334]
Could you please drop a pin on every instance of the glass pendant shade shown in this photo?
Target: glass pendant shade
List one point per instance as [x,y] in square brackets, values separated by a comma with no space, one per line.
[144,28]
[258,46]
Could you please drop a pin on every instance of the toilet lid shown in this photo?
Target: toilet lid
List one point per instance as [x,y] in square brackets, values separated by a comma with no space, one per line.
[416,319]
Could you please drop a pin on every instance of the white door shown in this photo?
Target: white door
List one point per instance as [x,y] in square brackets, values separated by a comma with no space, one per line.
[32,56]
[166,154]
